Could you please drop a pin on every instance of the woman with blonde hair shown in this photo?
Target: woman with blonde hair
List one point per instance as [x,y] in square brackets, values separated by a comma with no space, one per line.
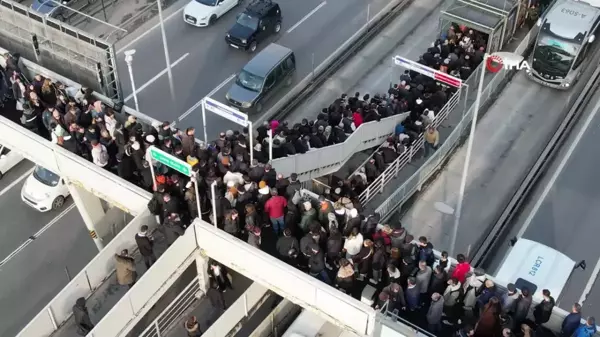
[345,276]
[48,93]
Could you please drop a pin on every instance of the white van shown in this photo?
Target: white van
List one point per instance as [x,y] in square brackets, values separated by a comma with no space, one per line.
[8,159]
[535,266]
[44,190]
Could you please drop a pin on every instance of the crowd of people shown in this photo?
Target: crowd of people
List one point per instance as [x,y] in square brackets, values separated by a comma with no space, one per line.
[330,238]
[458,52]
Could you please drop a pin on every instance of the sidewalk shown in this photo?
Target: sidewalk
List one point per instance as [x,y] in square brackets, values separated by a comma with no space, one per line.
[109,293]
[507,141]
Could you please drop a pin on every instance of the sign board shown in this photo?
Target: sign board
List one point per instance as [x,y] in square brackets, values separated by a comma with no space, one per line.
[171,161]
[225,111]
[429,72]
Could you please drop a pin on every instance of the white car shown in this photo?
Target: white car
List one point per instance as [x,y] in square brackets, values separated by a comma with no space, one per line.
[202,13]
[8,159]
[44,190]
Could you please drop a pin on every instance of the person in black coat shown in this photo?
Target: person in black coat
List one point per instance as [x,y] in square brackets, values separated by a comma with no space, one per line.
[288,247]
[82,317]
[543,310]
[220,276]
[145,246]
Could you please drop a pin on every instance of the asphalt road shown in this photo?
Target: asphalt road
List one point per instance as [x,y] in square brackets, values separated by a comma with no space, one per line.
[33,276]
[206,61]
[566,219]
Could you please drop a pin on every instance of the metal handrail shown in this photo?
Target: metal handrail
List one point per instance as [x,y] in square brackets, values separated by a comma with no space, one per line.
[173,312]
[422,175]
[399,163]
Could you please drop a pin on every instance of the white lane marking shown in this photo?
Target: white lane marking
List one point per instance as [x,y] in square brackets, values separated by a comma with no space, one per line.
[195,106]
[153,79]
[561,166]
[214,91]
[306,17]
[16,181]
[37,234]
[189,111]
[125,47]
[590,283]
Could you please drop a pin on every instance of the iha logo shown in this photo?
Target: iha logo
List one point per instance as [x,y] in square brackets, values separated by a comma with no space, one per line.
[494,63]
[508,61]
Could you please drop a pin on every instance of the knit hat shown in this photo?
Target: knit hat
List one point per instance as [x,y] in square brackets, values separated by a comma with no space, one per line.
[262,184]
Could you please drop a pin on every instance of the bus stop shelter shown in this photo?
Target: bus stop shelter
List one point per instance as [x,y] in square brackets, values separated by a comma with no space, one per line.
[496,18]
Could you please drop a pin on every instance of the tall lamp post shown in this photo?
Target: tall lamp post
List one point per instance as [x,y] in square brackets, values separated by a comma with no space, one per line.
[465,172]
[166,48]
[129,59]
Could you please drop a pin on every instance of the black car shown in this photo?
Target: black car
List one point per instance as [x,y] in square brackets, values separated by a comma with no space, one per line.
[261,19]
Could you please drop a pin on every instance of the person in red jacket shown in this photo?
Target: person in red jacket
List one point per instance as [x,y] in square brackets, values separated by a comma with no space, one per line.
[357,118]
[275,208]
[384,235]
[462,268]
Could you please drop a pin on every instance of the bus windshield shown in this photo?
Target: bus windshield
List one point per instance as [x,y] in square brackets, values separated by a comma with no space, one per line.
[554,56]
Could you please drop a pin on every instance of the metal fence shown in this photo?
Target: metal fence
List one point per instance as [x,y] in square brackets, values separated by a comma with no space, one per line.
[416,181]
[63,48]
[405,158]
[315,186]
[175,311]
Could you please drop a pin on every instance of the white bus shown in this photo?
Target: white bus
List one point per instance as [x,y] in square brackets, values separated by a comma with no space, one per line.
[535,266]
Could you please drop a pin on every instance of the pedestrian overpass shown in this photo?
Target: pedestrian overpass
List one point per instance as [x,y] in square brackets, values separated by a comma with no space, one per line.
[89,184]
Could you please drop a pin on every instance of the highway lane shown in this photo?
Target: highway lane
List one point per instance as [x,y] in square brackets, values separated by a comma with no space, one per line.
[566,216]
[19,221]
[210,60]
[30,279]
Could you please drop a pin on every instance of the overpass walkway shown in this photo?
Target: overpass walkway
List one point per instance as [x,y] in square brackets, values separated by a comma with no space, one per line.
[96,281]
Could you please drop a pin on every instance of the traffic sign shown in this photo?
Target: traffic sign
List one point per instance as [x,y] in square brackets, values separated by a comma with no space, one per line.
[171,161]
[226,112]
[429,72]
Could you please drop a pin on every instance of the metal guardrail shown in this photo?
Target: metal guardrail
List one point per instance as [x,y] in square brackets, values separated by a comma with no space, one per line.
[404,159]
[174,312]
[419,178]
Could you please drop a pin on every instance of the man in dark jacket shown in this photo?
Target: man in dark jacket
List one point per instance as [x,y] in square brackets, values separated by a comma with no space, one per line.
[543,310]
[316,263]
[572,321]
[426,251]
[145,244]
[293,186]
[82,317]
[288,247]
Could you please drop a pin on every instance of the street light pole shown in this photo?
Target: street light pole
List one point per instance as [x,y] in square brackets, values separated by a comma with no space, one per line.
[465,172]
[166,47]
[129,59]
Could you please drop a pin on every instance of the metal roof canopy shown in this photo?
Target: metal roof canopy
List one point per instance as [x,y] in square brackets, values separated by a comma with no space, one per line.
[504,6]
[473,16]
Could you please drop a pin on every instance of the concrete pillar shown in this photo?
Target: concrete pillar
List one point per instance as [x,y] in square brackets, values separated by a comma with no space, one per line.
[202,266]
[92,212]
